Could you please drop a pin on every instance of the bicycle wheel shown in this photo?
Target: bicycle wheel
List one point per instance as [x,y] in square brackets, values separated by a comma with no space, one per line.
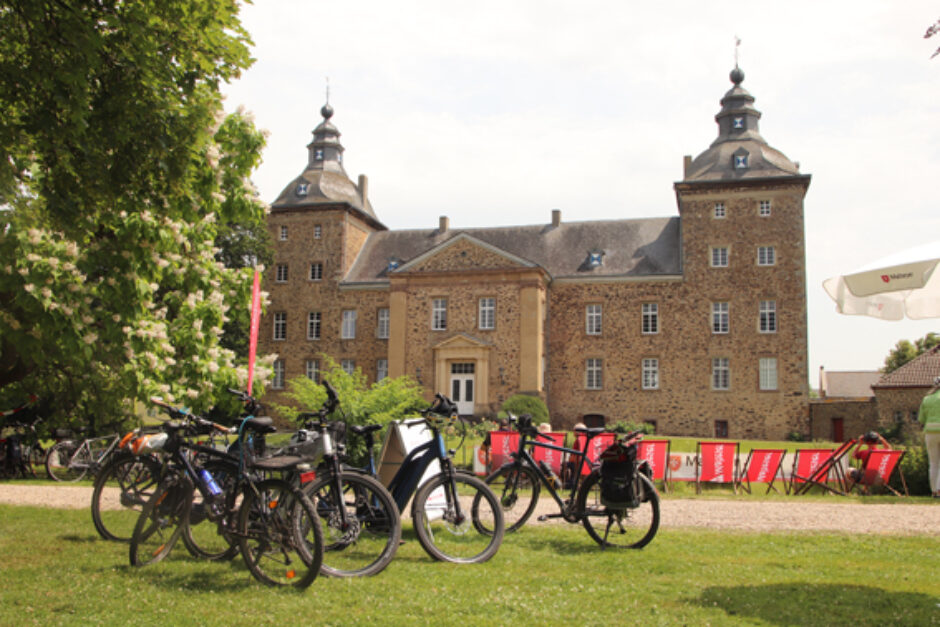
[517,488]
[121,490]
[160,523]
[279,535]
[202,536]
[630,528]
[456,534]
[370,538]
[67,461]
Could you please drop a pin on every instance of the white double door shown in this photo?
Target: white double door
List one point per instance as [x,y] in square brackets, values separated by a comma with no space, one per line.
[462,388]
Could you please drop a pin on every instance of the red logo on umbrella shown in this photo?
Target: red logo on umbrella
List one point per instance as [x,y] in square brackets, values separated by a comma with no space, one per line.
[885,278]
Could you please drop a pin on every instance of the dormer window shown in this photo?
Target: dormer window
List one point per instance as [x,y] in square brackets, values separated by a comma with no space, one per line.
[740,159]
[302,189]
[393,264]
[318,154]
[595,258]
[737,122]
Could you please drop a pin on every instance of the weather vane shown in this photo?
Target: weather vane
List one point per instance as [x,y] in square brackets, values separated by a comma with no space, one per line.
[327,90]
[737,45]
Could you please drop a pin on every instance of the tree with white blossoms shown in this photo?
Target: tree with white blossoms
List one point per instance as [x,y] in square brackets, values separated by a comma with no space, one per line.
[119,171]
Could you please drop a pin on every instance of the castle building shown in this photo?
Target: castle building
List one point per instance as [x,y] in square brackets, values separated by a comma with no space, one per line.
[696,322]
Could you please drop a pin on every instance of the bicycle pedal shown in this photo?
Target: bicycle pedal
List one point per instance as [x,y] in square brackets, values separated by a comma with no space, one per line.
[545,517]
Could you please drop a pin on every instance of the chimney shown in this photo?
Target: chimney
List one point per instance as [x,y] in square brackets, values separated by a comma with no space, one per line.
[556,217]
[686,166]
[444,224]
[364,190]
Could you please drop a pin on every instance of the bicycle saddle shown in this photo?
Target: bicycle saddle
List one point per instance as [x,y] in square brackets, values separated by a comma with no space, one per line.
[363,429]
[260,424]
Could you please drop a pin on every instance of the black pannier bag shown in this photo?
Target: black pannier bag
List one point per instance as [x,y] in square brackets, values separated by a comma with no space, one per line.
[618,469]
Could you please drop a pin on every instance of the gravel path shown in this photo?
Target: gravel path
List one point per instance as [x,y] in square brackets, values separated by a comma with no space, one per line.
[795,514]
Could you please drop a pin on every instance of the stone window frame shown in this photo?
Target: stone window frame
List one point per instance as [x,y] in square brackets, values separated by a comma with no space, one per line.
[312,370]
[439,314]
[317,231]
[649,319]
[650,369]
[280,273]
[381,369]
[768,374]
[283,233]
[767,316]
[719,256]
[593,373]
[721,374]
[382,323]
[279,326]
[593,319]
[764,208]
[719,211]
[486,313]
[277,382]
[314,325]
[316,271]
[348,327]
[348,365]
[721,317]
[766,256]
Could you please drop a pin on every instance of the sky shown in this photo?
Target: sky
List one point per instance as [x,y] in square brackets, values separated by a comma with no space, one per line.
[496,113]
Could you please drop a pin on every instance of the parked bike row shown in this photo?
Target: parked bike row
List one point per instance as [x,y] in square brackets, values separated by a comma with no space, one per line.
[300,510]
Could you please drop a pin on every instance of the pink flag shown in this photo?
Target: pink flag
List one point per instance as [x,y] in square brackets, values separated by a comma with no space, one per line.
[253,330]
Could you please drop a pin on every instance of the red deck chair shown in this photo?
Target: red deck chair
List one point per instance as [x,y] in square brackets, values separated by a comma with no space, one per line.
[878,469]
[763,465]
[502,444]
[547,455]
[716,462]
[656,452]
[805,463]
[598,444]
[821,475]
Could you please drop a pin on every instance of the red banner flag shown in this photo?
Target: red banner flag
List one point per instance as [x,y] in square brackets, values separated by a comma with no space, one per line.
[253,330]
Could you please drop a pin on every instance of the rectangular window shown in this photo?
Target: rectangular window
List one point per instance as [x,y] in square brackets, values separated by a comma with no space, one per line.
[768,373]
[721,374]
[280,326]
[766,256]
[381,369]
[764,208]
[313,370]
[283,233]
[381,329]
[316,271]
[720,317]
[592,321]
[439,314]
[720,211]
[281,273]
[278,382]
[348,331]
[317,231]
[593,374]
[650,318]
[487,317]
[768,316]
[348,366]
[314,319]
[721,428]
[719,257]
[650,374]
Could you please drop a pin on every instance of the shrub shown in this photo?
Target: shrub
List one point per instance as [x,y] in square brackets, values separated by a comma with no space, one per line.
[914,466]
[524,404]
[797,436]
[626,427]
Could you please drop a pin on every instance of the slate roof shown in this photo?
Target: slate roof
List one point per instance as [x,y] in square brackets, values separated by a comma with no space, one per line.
[848,384]
[642,248]
[919,372]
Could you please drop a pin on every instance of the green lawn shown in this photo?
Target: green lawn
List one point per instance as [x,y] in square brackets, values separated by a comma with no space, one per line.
[55,570]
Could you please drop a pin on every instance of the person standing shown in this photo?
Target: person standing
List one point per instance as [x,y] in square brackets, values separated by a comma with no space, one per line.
[929,416]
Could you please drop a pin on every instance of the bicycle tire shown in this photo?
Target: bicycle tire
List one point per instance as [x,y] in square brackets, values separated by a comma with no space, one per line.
[121,490]
[203,537]
[373,532]
[160,523]
[449,537]
[64,465]
[279,535]
[517,487]
[629,528]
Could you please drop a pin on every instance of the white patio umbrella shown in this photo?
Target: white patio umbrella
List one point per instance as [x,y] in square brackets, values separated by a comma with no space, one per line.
[901,285]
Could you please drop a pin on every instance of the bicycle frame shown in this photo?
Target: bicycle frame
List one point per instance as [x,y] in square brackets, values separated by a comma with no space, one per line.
[96,459]
[416,462]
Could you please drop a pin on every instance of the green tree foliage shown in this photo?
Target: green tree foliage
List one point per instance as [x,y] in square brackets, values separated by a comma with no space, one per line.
[119,173]
[525,404]
[359,403]
[904,351]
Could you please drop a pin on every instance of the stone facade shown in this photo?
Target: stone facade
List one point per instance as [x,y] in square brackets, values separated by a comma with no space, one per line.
[696,323]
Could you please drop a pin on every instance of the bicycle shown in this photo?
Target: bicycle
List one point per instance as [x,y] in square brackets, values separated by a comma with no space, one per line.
[274,523]
[69,460]
[21,450]
[361,522]
[456,516]
[519,484]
